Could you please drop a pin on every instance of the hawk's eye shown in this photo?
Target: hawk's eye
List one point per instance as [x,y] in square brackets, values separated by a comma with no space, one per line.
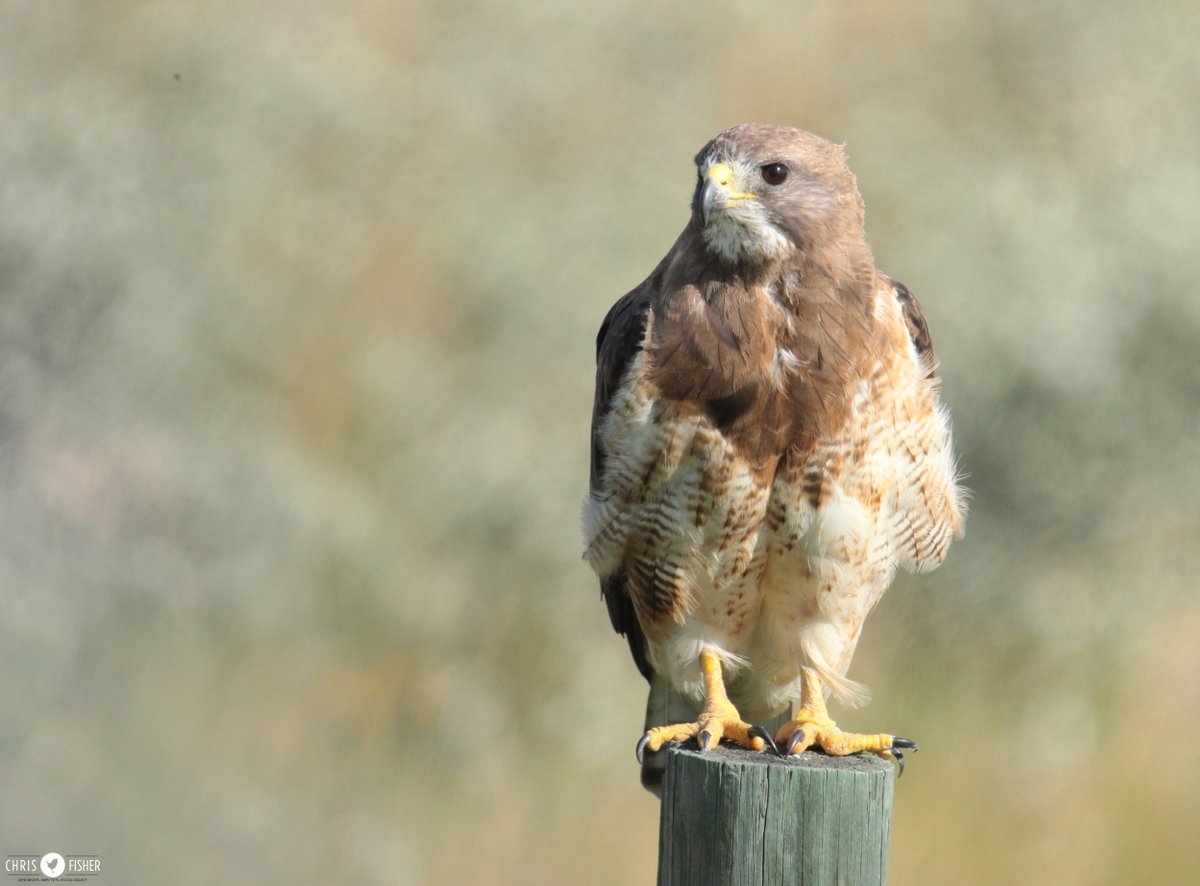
[775,173]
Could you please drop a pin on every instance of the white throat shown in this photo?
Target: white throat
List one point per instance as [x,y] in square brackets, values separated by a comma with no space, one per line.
[742,231]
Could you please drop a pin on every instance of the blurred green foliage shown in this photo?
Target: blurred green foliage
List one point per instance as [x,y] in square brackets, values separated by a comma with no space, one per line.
[298,317]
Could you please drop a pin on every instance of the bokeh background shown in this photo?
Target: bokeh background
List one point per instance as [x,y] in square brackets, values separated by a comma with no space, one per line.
[296,352]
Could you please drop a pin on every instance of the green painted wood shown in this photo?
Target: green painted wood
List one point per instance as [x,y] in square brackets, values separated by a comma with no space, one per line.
[736,818]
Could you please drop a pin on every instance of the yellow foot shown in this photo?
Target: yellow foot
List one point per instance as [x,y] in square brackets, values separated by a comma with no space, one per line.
[808,730]
[812,726]
[718,719]
[708,731]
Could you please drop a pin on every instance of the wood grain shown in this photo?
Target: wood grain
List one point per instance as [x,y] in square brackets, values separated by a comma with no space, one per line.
[737,818]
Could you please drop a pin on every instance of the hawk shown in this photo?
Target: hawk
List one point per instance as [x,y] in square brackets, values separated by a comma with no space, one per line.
[768,446]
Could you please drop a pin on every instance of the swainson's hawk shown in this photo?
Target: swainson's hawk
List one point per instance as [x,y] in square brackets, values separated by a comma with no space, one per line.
[768,446]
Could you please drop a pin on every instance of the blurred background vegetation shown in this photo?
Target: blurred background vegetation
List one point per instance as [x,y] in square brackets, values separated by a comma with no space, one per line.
[299,304]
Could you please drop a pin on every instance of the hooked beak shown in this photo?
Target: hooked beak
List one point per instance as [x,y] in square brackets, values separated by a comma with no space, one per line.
[708,199]
[715,194]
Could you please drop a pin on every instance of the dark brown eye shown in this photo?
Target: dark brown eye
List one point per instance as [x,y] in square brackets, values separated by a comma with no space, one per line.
[775,173]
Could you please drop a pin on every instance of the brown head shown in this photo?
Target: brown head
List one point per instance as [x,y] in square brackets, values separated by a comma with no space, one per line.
[765,305]
[773,193]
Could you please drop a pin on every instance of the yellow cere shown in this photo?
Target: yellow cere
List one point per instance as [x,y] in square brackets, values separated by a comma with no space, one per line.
[722,174]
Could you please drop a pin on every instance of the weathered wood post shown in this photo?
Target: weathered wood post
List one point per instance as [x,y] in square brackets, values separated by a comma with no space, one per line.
[737,818]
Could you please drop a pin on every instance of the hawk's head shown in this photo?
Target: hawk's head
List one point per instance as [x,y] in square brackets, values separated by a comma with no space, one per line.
[766,193]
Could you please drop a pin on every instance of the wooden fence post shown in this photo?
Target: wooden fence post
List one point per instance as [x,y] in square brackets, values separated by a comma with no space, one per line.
[737,818]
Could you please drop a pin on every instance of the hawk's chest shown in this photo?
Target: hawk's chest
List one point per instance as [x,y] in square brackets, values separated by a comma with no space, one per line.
[678,484]
[750,521]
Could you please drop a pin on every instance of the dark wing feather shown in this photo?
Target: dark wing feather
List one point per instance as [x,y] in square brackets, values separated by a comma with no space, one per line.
[918,329]
[619,341]
[624,620]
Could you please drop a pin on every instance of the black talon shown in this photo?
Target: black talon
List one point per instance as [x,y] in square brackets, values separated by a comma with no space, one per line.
[760,732]
[907,743]
[641,747]
[703,739]
[899,759]
[797,738]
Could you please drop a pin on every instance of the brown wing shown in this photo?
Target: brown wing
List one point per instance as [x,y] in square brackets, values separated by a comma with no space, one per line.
[918,329]
[933,515]
[619,341]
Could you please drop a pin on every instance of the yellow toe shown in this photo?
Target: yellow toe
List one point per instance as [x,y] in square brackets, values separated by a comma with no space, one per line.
[708,731]
[802,733]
